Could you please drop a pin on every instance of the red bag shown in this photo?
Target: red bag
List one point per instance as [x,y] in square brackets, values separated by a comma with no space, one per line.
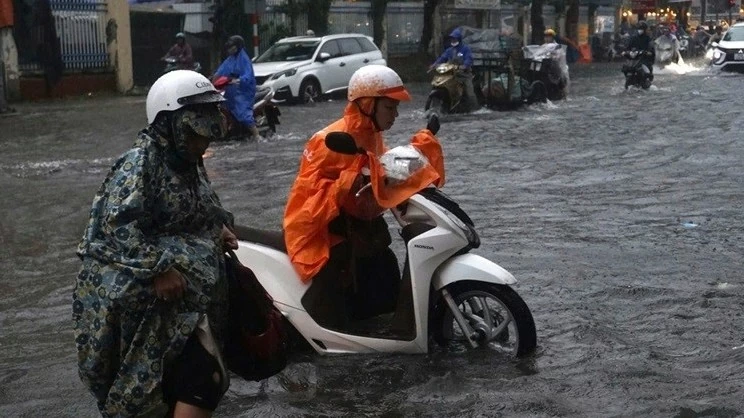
[256,342]
[221,82]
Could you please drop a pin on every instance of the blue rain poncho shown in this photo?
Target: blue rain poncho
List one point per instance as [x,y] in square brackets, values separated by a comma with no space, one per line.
[240,97]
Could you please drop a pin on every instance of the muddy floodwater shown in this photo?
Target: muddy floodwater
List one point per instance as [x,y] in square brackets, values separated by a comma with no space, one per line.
[619,212]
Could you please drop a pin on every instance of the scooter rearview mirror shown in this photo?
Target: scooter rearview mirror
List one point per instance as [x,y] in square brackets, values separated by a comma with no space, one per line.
[343,143]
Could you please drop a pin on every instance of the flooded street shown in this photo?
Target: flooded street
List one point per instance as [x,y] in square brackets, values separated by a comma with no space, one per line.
[619,213]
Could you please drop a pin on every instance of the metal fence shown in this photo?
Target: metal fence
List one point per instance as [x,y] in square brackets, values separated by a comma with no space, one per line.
[81,30]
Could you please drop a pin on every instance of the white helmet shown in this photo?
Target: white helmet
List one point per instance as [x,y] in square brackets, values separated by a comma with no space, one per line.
[177,89]
[377,81]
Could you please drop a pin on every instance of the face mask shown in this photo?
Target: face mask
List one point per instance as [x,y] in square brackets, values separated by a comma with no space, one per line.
[454,43]
[640,31]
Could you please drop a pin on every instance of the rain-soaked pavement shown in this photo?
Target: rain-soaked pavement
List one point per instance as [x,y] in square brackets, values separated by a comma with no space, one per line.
[620,213]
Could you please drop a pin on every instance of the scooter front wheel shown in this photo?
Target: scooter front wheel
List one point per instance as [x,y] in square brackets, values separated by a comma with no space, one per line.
[496,316]
[436,104]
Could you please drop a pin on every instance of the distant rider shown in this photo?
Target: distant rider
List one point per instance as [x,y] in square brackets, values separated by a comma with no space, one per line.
[667,35]
[716,36]
[240,93]
[549,37]
[701,37]
[459,53]
[572,51]
[642,42]
[181,51]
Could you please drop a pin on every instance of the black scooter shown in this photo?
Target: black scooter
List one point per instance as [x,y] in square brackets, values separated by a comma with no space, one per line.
[636,72]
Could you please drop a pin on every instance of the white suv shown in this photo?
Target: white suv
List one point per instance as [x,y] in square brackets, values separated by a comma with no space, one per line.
[728,54]
[303,68]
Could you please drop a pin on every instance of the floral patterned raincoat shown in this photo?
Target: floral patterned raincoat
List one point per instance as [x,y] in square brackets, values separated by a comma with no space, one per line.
[153,212]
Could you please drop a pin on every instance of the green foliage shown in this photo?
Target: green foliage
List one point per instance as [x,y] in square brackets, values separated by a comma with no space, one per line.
[292,8]
[279,31]
[317,15]
[236,22]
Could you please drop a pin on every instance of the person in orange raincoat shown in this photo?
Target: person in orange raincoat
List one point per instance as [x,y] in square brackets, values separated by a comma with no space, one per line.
[340,241]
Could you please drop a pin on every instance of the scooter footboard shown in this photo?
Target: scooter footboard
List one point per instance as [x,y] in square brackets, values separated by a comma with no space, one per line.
[470,267]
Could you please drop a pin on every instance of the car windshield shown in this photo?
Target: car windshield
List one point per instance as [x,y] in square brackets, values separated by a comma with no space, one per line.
[289,51]
[734,34]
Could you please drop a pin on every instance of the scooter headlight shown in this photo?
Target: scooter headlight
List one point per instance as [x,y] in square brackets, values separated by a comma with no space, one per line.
[469,231]
[287,73]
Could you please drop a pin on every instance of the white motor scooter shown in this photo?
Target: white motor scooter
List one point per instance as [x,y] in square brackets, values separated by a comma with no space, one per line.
[452,296]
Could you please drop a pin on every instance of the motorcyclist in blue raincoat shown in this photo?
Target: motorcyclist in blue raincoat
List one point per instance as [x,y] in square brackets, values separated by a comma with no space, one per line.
[459,53]
[241,92]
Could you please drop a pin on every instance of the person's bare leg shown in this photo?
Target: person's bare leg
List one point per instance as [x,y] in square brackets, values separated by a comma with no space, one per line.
[184,410]
[254,132]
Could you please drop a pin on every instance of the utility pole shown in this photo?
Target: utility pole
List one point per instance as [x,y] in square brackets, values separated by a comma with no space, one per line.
[254,22]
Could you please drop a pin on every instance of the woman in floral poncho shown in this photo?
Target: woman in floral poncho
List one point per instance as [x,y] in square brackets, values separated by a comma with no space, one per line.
[150,301]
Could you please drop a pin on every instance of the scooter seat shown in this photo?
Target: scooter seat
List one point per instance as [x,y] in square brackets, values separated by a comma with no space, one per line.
[273,239]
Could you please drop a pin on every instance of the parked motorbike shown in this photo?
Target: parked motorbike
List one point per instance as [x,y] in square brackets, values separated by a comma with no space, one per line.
[636,73]
[171,63]
[699,44]
[265,112]
[685,46]
[447,92]
[453,297]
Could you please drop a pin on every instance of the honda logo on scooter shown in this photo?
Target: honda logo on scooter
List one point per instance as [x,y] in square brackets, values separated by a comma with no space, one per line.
[425,247]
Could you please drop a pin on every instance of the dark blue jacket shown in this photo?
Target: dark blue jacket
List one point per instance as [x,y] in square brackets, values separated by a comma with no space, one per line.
[461,50]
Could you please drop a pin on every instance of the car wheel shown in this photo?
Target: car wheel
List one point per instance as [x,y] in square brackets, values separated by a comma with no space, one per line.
[309,91]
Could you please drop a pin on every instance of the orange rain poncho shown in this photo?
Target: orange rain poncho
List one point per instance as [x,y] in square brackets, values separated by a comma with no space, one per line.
[324,182]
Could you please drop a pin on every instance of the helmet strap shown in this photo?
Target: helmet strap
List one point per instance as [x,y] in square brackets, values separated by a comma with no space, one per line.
[370,115]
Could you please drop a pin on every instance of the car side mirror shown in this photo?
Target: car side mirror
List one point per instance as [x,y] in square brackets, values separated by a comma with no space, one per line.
[324,56]
[342,143]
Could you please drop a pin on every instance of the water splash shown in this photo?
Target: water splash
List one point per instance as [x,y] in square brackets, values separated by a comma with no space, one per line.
[677,68]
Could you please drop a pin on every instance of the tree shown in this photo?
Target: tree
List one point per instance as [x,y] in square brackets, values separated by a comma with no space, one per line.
[427,35]
[572,20]
[536,19]
[377,10]
[317,15]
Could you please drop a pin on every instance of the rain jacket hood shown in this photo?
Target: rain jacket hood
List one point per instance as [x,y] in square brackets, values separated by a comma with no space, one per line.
[325,179]
[456,34]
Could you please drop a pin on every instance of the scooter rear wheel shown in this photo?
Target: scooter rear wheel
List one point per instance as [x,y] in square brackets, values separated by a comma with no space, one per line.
[506,326]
